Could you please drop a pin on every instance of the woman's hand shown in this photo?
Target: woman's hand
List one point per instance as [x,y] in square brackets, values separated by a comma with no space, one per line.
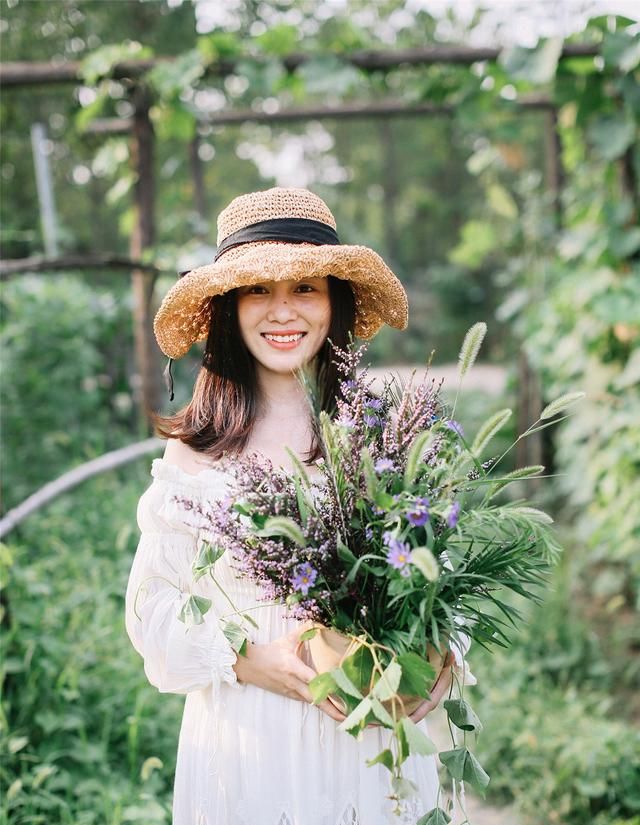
[441,687]
[277,667]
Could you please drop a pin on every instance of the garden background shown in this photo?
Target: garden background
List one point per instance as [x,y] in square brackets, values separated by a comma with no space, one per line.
[503,187]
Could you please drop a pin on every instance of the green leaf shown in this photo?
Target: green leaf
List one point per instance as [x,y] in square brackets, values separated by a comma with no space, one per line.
[387,684]
[357,716]
[308,634]
[463,766]
[170,78]
[537,65]
[99,62]
[193,610]
[489,429]
[414,457]
[207,556]
[461,715]
[418,741]
[403,788]
[279,40]
[283,526]
[560,404]
[436,816]
[235,635]
[425,561]
[477,240]
[621,50]
[344,683]
[385,758]
[321,686]
[417,675]
[470,347]
[359,668]
[345,553]
[381,713]
[611,135]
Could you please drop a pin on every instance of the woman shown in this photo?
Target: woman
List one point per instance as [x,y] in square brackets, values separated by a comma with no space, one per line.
[253,749]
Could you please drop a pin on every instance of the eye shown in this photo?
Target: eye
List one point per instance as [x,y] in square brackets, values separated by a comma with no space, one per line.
[256,289]
[306,287]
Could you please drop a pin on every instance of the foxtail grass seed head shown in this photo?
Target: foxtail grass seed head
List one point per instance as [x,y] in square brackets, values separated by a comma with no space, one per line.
[470,347]
[560,404]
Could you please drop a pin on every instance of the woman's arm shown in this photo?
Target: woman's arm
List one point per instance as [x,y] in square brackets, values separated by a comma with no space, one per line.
[177,659]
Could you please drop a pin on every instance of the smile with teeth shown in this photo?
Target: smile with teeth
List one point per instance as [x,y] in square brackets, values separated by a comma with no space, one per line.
[283,339]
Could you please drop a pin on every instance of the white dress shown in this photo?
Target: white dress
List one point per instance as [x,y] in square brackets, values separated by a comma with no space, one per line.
[245,756]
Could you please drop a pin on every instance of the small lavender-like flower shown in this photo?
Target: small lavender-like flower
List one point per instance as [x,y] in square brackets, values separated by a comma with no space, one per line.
[419,516]
[455,426]
[304,577]
[345,420]
[384,465]
[371,420]
[374,403]
[399,555]
[368,533]
[452,516]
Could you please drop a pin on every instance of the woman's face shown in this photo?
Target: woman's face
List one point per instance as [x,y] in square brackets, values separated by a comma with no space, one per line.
[285,323]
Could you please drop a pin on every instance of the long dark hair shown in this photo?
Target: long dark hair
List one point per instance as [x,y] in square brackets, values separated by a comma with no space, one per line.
[222,411]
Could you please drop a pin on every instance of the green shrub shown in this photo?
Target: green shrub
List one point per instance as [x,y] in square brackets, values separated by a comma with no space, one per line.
[66,355]
[85,739]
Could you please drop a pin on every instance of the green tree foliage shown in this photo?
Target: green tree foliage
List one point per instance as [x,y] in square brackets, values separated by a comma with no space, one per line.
[67,377]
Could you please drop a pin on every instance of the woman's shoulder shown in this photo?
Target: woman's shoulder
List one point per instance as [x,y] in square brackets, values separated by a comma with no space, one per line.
[184,457]
[184,465]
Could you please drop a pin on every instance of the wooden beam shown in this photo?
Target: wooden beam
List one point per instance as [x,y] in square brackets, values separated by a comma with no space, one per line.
[40,263]
[384,108]
[21,74]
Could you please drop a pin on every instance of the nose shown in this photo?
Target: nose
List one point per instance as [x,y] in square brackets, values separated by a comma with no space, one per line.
[280,309]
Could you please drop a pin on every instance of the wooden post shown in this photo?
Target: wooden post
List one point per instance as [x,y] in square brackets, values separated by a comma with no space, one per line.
[554,171]
[197,178]
[147,387]
[538,448]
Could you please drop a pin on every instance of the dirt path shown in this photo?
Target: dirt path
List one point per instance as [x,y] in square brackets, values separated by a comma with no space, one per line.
[478,811]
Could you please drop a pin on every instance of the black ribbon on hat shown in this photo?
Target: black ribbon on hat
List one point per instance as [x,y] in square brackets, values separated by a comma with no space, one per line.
[284,230]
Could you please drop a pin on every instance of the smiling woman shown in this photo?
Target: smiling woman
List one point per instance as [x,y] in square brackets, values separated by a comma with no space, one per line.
[253,748]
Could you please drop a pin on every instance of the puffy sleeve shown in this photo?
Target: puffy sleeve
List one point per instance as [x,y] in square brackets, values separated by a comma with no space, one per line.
[177,659]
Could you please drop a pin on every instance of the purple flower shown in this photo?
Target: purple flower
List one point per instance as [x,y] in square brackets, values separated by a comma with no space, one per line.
[346,421]
[304,577]
[419,516]
[384,465]
[455,426]
[371,420]
[374,403]
[452,516]
[399,555]
[368,533]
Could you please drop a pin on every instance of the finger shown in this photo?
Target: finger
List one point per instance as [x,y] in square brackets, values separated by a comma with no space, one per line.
[331,710]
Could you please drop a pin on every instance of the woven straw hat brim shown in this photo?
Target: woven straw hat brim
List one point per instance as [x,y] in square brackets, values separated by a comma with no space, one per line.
[184,315]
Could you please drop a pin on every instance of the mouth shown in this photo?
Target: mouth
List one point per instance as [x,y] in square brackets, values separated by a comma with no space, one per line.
[283,341]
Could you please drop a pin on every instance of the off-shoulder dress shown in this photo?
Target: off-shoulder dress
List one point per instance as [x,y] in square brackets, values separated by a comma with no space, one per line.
[245,756]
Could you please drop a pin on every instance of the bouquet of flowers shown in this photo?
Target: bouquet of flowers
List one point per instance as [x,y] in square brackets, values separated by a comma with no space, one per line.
[400,548]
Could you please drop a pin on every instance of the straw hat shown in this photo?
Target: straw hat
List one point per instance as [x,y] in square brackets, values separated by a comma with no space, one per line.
[276,235]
